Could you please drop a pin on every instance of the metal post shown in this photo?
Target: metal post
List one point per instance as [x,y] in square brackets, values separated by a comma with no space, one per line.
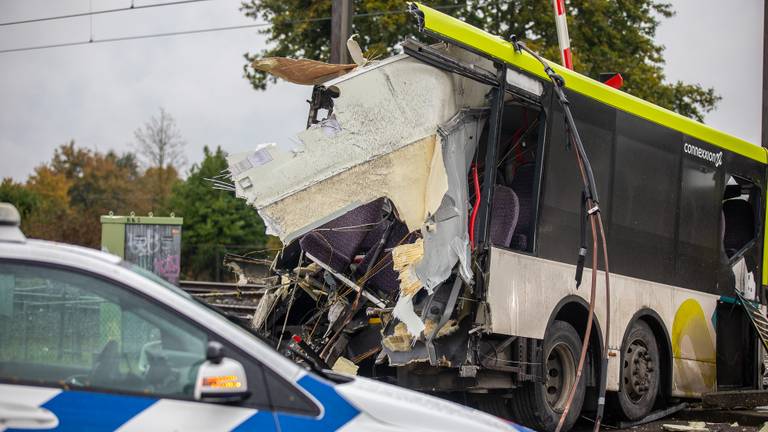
[218,264]
[341,27]
[491,149]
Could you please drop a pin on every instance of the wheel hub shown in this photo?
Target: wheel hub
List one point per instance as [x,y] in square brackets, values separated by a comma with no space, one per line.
[559,376]
[637,370]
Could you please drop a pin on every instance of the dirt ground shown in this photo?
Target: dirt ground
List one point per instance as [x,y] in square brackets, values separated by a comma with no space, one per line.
[712,427]
[585,425]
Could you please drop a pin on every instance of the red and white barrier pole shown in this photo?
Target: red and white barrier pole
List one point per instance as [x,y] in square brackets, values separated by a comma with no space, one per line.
[562,33]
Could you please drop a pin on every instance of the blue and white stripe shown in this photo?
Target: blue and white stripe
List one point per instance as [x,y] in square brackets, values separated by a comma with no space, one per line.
[82,410]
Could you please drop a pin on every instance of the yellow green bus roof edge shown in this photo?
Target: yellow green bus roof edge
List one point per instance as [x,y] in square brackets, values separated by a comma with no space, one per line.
[494,46]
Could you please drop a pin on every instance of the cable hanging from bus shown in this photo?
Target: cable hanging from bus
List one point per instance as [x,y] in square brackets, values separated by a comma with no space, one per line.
[591,205]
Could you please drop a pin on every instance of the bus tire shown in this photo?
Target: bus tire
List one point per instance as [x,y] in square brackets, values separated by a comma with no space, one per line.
[492,404]
[640,374]
[540,404]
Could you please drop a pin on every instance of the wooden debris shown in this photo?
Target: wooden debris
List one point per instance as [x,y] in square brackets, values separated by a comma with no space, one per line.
[345,366]
[693,426]
[301,71]
[404,257]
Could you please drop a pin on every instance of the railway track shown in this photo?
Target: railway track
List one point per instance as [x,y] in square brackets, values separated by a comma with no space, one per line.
[201,287]
[241,300]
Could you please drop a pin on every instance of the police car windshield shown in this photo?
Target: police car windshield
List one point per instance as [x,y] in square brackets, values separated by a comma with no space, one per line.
[231,318]
[157,279]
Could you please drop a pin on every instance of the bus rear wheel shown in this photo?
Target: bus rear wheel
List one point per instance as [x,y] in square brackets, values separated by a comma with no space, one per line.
[539,405]
[640,373]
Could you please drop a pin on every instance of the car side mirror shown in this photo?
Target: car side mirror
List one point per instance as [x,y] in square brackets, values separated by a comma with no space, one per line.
[220,378]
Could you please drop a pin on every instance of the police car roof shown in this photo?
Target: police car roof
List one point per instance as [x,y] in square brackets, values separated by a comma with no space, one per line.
[9,224]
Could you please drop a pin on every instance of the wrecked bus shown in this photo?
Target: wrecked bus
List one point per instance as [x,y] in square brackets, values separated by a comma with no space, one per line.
[432,217]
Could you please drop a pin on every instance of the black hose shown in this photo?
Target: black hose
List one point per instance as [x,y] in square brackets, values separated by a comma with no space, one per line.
[583,216]
[596,222]
[604,368]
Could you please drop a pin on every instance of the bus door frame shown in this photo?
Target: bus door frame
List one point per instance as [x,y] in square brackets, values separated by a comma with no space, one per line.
[497,80]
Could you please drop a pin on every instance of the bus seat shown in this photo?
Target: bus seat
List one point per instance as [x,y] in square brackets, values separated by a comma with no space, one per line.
[505,211]
[337,242]
[519,242]
[384,277]
[522,184]
[374,232]
[739,225]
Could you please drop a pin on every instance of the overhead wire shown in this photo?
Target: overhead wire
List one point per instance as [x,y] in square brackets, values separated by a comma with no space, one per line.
[91,13]
[203,30]
[134,37]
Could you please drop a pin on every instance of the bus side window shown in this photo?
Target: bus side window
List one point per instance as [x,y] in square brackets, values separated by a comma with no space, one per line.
[513,207]
[700,206]
[644,200]
[738,215]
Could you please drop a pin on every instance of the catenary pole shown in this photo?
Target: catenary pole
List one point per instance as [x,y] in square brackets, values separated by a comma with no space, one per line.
[341,27]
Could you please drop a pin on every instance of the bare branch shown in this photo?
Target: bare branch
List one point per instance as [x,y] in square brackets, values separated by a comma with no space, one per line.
[159,142]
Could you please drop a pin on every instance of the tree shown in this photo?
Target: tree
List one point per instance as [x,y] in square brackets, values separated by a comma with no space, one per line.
[606,36]
[160,145]
[155,188]
[77,187]
[213,219]
[26,201]
[51,218]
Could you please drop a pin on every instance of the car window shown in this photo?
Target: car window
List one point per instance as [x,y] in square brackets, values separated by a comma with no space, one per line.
[155,278]
[63,328]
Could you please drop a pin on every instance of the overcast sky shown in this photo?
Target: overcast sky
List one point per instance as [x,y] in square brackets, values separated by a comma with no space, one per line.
[98,94]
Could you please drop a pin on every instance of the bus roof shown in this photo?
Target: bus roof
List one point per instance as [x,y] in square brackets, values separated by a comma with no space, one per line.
[471,37]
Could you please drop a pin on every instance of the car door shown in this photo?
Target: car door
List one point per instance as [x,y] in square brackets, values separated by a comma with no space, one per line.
[80,352]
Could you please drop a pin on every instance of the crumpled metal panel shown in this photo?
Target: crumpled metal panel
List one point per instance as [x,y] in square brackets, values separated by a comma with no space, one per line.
[380,109]
[400,176]
[446,238]
[445,232]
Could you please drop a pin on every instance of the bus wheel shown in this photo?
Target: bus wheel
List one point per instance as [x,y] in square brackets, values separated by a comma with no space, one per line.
[539,405]
[492,404]
[639,372]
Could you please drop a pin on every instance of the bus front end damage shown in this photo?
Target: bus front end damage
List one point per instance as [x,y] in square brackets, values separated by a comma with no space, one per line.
[374,207]
[436,216]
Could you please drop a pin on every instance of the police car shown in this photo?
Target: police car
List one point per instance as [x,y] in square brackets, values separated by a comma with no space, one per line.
[91,342]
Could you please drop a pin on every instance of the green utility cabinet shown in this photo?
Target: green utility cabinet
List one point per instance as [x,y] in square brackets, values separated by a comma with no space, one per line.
[151,242]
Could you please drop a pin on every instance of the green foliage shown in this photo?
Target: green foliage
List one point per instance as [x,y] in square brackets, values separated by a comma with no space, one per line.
[25,200]
[606,36]
[213,219]
[96,183]
[62,201]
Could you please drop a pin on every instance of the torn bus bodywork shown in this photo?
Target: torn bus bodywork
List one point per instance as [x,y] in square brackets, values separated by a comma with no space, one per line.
[433,219]
[385,224]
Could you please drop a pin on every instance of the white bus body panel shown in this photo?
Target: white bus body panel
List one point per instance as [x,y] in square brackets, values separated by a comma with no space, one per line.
[523,292]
